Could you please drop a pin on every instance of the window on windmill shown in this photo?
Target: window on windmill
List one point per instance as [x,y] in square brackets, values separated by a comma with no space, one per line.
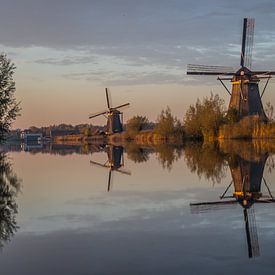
[242,73]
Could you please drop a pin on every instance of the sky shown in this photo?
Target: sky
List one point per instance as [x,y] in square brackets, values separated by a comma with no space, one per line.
[66,52]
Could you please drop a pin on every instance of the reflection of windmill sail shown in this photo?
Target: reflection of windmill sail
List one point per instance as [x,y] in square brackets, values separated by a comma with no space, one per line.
[114,116]
[247,175]
[201,207]
[114,163]
[251,232]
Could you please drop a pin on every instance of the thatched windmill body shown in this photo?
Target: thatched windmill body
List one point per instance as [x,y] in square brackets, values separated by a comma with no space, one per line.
[114,163]
[247,178]
[114,116]
[245,96]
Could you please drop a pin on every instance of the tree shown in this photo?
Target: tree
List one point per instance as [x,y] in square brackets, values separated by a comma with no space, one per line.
[168,125]
[136,124]
[9,108]
[204,118]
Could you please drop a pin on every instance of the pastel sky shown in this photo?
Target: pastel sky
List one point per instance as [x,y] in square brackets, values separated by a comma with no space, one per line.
[66,52]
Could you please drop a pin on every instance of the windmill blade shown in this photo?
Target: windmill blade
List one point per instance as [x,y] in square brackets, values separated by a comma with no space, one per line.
[193,69]
[121,106]
[98,164]
[211,206]
[247,42]
[107,98]
[263,73]
[98,114]
[251,232]
[265,201]
[123,171]
[110,178]
[268,189]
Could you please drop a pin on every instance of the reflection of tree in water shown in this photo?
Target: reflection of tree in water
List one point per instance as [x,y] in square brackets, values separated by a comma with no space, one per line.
[9,188]
[167,154]
[136,153]
[205,160]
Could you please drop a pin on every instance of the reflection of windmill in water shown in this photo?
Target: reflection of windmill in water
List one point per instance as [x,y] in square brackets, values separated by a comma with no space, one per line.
[113,115]
[245,96]
[247,178]
[114,163]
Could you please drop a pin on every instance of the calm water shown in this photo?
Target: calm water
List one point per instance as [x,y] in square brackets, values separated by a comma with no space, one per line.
[113,210]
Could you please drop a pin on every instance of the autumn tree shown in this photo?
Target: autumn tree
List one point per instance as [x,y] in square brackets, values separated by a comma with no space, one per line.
[205,117]
[136,124]
[168,125]
[9,108]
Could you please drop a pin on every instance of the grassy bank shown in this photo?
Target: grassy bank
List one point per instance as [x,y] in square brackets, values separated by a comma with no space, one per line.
[248,128]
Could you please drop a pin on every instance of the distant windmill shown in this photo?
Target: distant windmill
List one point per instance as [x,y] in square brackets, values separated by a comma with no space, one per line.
[245,95]
[115,162]
[113,115]
[247,178]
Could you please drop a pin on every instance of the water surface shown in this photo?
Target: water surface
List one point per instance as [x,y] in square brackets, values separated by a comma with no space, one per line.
[115,210]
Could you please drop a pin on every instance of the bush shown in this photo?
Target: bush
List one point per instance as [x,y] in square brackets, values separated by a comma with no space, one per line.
[135,125]
[203,119]
[9,108]
[232,116]
[168,125]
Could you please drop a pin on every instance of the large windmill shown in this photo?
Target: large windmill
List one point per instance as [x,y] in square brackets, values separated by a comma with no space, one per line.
[113,115]
[114,163]
[245,95]
[247,177]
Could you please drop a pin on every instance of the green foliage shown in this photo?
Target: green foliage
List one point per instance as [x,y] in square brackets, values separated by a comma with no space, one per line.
[168,125]
[9,108]
[135,125]
[137,153]
[204,118]
[167,154]
[9,187]
[206,161]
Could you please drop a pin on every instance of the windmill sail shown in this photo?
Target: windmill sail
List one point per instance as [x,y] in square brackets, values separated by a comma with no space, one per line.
[202,207]
[107,98]
[121,106]
[113,164]
[109,180]
[251,233]
[247,42]
[113,115]
[193,69]
[98,114]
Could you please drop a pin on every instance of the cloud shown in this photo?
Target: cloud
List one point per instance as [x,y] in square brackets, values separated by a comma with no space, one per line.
[136,39]
[69,60]
[114,78]
[67,23]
